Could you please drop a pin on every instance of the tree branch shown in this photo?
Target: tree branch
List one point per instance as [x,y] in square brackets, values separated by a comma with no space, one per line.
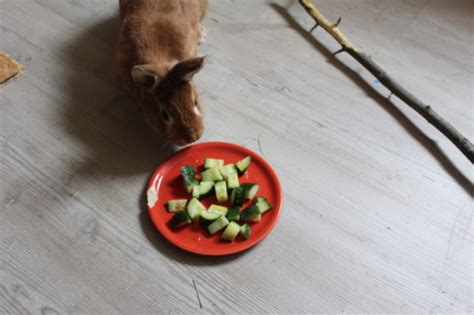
[463,144]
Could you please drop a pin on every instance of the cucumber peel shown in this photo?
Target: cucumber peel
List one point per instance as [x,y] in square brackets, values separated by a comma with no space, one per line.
[245,231]
[237,196]
[188,172]
[251,190]
[251,214]
[233,214]
[180,219]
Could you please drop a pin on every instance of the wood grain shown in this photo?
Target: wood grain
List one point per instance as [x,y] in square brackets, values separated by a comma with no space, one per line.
[364,228]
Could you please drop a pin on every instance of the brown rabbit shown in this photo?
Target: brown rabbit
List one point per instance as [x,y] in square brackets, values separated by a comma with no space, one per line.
[156,54]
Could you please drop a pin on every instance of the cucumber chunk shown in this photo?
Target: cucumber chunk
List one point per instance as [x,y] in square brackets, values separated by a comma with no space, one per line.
[217,225]
[211,175]
[228,169]
[250,190]
[232,180]
[245,231]
[233,214]
[188,172]
[221,191]
[251,214]
[263,206]
[243,164]
[196,191]
[210,216]
[237,197]
[210,163]
[230,232]
[194,208]
[258,199]
[205,189]
[176,205]
[180,219]
[218,209]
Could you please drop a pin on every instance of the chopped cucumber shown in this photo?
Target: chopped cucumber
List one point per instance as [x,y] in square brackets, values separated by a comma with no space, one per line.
[210,163]
[176,205]
[180,219]
[243,165]
[212,175]
[218,209]
[217,225]
[210,216]
[245,230]
[194,208]
[250,190]
[228,169]
[233,214]
[189,172]
[196,191]
[237,197]
[230,232]
[251,214]
[233,180]
[258,199]
[221,191]
[205,189]
[263,206]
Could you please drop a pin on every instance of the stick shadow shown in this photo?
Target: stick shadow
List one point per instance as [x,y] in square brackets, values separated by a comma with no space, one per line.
[383,101]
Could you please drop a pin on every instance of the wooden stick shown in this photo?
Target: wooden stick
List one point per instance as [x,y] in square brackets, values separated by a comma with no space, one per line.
[463,144]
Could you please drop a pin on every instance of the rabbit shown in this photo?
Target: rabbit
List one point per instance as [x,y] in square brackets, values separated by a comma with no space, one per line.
[157,59]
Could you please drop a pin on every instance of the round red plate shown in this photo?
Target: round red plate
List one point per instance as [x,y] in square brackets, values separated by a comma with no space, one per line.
[166,183]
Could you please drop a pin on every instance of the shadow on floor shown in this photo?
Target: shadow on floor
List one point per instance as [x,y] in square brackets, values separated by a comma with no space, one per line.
[384,102]
[112,134]
[115,139]
[102,117]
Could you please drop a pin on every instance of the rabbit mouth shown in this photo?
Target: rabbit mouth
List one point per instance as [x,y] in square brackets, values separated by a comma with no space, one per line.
[187,139]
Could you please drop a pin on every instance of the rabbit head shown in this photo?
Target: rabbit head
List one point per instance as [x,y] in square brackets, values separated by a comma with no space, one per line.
[170,102]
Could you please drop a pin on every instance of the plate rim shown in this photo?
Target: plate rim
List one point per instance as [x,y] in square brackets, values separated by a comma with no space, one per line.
[194,249]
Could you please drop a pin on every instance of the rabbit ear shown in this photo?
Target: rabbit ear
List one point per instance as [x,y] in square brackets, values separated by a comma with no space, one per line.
[144,77]
[186,69]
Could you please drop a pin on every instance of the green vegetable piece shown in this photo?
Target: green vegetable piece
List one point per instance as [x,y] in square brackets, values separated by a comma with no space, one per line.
[180,219]
[211,175]
[176,205]
[221,191]
[243,164]
[217,225]
[245,231]
[230,232]
[210,163]
[233,214]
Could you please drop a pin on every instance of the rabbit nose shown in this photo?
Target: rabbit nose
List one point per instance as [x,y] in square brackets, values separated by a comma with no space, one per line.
[193,136]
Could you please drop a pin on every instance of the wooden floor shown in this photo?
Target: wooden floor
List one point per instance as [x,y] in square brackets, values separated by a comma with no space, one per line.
[377,214]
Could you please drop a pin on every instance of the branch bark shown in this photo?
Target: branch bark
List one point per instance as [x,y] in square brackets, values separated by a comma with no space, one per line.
[463,144]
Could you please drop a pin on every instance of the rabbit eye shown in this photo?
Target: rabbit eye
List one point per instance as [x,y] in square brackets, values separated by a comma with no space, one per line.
[165,115]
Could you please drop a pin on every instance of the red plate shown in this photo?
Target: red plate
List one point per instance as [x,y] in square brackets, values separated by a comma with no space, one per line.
[167,181]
